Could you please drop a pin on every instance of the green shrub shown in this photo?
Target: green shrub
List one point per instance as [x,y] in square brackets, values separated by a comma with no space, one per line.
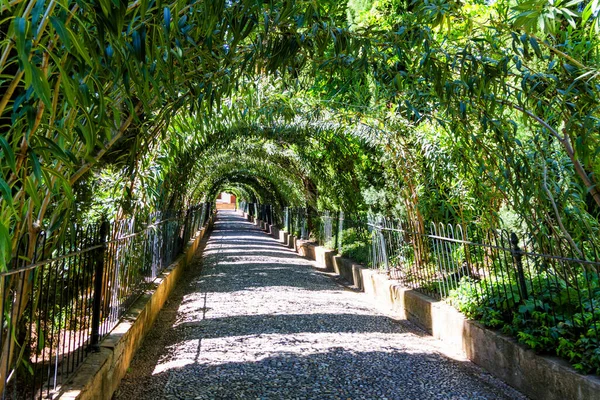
[559,317]
[355,244]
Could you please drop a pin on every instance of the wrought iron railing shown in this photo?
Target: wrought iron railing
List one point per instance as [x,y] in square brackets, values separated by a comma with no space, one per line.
[56,307]
[295,221]
[265,212]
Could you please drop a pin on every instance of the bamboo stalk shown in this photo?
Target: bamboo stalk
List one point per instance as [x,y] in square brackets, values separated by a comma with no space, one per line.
[8,48]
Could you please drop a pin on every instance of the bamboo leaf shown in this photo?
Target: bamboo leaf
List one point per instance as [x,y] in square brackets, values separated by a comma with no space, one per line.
[5,247]
[80,49]
[6,192]
[106,7]
[536,47]
[62,32]
[67,189]
[167,20]
[55,149]
[41,86]
[35,165]
[32,190]
[9,155]
[66,81]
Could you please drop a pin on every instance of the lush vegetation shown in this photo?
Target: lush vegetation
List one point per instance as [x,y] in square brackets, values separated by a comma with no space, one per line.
[560,319]
[433,110]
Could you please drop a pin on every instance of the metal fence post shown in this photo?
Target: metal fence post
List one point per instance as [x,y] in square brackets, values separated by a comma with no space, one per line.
[339,238]
[517,254]
[337,233]
[186,226]
[383,246]
[98,274]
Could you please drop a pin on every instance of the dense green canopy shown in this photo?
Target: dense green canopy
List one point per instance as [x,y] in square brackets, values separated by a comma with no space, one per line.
[435,109]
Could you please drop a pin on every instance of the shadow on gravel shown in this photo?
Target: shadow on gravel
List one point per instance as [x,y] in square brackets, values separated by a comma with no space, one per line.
[284,324]
[335,374]
[254,252]
[230,277]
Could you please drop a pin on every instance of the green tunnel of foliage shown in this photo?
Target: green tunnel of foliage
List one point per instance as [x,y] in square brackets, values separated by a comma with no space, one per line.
[434,110]
[282,164]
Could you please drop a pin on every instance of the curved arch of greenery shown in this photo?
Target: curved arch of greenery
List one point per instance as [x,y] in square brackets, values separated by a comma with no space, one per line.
[247,160]
[263,190]
[300,157]
[241,191]
[89,82]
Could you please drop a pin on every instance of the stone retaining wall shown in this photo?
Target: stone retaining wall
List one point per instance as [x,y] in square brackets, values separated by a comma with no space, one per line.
[100,374]
[539,377]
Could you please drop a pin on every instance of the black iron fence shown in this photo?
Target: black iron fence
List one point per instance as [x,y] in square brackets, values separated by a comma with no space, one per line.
[56,307]
[265,212]
[295,221]
[348,235]
[493,264]
[543,288]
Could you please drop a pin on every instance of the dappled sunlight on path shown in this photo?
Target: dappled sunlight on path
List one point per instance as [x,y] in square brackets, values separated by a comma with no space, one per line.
[259,323]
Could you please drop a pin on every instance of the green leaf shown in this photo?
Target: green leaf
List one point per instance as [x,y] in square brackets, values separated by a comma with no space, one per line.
[167,20]
[65,81]
[9,155]
[106,7]
[589,189]
[137,45]
[536,47]
[27,365]
[55,149]
[86,136]
[80,49]
[35,165]
[20,26]
[40,86]
[32,190]
[6,192]
[5,247]
[67,188]
[62,32]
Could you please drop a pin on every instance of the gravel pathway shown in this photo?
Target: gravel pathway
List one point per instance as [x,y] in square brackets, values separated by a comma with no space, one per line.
[253,320]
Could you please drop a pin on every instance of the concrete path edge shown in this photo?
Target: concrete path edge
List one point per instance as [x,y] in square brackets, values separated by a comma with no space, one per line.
[539,377]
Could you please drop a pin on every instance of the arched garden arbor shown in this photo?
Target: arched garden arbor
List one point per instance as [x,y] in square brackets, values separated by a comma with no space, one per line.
[461,111]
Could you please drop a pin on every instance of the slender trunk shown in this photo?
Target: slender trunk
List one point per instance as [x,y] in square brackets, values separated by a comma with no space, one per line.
[17,294]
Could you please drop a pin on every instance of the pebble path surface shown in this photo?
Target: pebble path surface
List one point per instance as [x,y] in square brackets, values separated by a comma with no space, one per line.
[253,320]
